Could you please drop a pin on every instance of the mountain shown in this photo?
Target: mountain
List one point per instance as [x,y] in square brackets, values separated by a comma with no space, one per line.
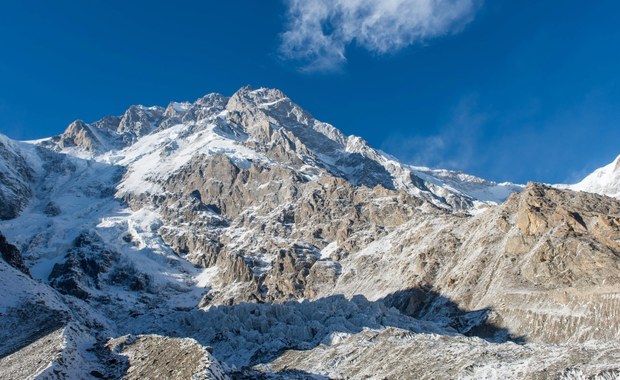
[605,181]
[260,126]
[240,237]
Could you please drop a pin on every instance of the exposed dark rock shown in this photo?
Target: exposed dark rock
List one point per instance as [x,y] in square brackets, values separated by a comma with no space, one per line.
[84,264]
[52,209]
[12,256]
[129,276]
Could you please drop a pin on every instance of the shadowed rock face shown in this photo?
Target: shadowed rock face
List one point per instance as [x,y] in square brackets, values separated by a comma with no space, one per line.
[15,180]
[11,255]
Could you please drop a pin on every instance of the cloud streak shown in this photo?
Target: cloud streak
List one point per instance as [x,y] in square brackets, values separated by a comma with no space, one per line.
[319,31]
[457,145]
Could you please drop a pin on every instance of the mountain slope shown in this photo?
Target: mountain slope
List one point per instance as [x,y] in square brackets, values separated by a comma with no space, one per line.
[15,179]
[262,242]
[544,266]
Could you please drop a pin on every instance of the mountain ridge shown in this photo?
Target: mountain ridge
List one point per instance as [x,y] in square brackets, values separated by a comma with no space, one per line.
[279,124]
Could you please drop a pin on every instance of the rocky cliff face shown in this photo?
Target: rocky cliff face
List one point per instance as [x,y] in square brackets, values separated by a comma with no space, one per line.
[242,237]
[15,180]
[544,267]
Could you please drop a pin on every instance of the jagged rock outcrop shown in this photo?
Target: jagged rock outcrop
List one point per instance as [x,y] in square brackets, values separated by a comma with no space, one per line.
[138,121]
[88,263]
[12,256]
[111,132]
[286,216]
[79,134]
[545,266]
[81,269]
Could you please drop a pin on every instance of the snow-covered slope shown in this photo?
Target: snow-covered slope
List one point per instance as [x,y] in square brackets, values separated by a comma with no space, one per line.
[605,181]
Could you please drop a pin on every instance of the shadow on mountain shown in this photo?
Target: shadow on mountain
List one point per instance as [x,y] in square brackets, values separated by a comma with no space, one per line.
[26,324]
[289,374]
[425,304]
[246,335]
[365,172]
[352,166]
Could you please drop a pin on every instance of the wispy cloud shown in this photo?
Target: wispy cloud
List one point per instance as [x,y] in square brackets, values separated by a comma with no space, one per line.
[456,145]
[318,31]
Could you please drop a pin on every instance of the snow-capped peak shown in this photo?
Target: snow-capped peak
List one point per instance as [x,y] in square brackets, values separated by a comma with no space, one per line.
[255,125]
[605,180]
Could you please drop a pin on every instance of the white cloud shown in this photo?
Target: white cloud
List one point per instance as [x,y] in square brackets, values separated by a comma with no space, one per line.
[318,31]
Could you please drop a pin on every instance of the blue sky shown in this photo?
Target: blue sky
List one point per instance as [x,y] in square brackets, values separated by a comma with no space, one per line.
[494,88]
